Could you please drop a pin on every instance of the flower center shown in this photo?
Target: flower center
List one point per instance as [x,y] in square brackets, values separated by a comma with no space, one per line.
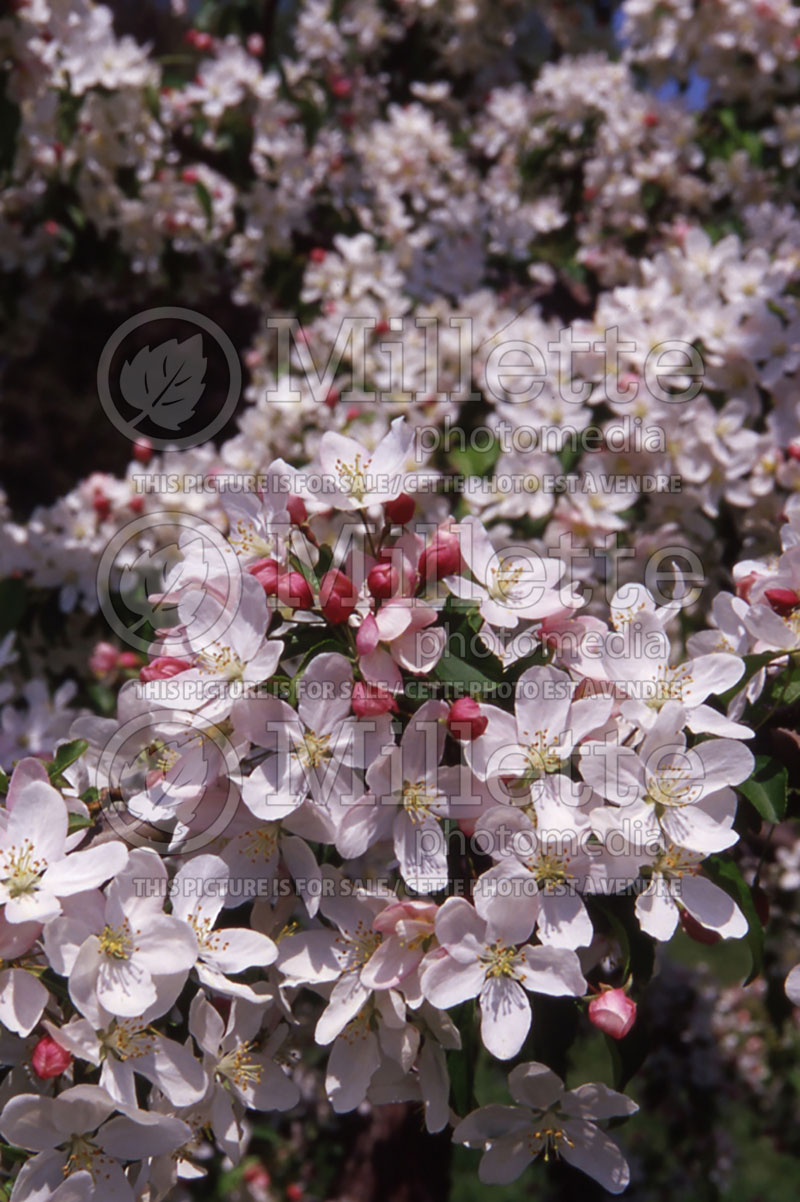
[352,477]
[500,960]
[128,1041]
[22,869]
[223,662]
[116,942]
[358,945]
[240,1067]
[314,749]
[247,540]
[505,580]
[417,799]
[549,869]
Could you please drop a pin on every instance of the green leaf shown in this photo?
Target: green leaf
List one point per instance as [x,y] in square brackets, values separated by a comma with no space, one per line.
[766,789]
[727,876]
[67,754]
[470,461]
[205,201]
[468,679]
[78,822]
[3,782]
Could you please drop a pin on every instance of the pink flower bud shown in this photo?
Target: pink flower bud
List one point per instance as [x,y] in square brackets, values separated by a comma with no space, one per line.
[783,600]
[466,720]
[266,572]
[143,450]
[337,597]
[295,591]
[400,509]
[103,659]
[297,510]
[442,556]
[162,668]
[128,659]
[371,700]
[613,1013]
[49,1059]
[383,580]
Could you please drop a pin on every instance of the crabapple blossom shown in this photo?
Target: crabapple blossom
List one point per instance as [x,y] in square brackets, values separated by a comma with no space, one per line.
[483,959]
[548,1120]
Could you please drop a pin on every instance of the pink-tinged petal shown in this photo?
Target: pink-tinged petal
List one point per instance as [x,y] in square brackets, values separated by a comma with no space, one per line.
[792,985]
[487,755]
[597,1101]
[82,870]
[508,1157]
[552,970]
[390,963]
[40,818]
[491,1123]
[309,957]
[506,897]
[324,692]
[363,824]
[690,827]
[151,1134]
[590,1150]
[614,772]
[460,929]
[25,772]
[368,636]
[656,911]
[535,1085]
[351,1066]
[233,949]
[421,851]
[712,907]
[564,920]
[447,982]
[347,997]
[23,998]
[392,620]
[379,668]
[29,1121]
[505,1016]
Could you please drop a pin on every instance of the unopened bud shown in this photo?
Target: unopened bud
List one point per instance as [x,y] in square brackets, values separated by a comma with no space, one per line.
[371,700]
[49,1059]
[400,509]
[295,591]
[383,580]
[466,720]
[337,597]
[162,668]
[613,1013]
